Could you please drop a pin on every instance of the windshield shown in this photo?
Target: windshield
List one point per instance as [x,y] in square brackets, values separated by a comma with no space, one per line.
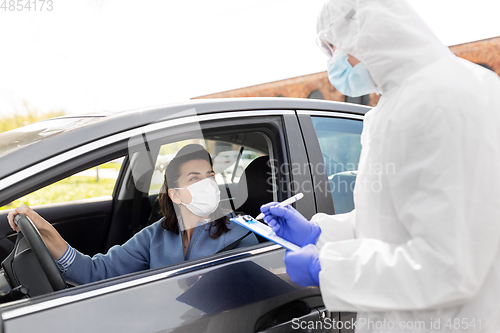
[26,135]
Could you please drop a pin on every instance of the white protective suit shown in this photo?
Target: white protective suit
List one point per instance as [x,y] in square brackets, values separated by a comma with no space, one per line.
[421,248]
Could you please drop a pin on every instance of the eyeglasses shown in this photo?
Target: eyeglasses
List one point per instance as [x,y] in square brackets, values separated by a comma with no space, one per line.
[322,39]
[326,47]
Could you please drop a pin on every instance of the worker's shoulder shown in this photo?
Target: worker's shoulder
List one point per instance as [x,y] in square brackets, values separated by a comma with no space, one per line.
[452,78]
[450,84]
[452,93]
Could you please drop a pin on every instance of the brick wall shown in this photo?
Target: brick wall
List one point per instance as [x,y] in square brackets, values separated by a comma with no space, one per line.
[484,51]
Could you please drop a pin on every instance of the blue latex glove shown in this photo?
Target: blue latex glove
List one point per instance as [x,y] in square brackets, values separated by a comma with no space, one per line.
[289,224]
[303,266]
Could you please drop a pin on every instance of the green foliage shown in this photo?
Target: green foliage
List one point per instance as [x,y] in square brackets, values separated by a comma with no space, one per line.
[27,116]
[111,165]
[69,189]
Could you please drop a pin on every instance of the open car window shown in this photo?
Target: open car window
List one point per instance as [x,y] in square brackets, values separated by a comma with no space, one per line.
[237,168]
[241,159]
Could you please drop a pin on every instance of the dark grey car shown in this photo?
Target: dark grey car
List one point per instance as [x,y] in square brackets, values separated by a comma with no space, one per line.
[307,146]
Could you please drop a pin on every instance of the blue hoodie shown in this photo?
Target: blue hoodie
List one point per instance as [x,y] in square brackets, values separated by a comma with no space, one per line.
[152,247]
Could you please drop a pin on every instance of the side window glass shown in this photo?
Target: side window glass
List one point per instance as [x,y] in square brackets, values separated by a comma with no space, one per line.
[95,182]
[340,142]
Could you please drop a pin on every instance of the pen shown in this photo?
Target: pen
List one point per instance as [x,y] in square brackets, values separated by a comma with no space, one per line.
[287,202]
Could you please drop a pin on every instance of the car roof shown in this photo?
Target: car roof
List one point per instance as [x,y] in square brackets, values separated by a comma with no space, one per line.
[108,123]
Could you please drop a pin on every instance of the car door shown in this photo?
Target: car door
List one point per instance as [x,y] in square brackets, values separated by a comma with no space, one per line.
[333,143]
[245,289]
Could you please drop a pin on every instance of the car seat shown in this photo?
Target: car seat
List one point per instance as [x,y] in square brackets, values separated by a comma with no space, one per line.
[254,188]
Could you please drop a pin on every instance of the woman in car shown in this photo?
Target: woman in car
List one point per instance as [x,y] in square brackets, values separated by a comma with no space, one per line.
[193,226]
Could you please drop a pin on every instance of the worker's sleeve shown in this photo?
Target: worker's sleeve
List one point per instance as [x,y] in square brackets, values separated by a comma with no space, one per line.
[335,227]
[449,204]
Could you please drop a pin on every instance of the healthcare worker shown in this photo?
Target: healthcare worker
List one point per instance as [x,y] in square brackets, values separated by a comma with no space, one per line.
[420,252]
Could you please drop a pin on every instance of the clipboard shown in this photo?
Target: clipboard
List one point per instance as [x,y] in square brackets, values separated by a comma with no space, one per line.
[248,222]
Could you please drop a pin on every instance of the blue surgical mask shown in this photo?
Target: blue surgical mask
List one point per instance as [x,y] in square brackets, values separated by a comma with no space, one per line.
[350,81]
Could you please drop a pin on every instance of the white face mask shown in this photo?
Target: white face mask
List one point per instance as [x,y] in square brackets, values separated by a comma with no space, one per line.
[350,81]
[205,196]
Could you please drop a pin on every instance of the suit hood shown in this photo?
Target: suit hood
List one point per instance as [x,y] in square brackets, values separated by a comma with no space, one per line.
[387,36]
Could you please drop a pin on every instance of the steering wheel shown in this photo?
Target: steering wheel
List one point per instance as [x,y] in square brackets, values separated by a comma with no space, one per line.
[30,262]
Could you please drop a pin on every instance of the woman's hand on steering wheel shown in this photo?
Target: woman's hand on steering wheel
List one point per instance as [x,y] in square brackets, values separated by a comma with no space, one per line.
[39,222]
[55,243]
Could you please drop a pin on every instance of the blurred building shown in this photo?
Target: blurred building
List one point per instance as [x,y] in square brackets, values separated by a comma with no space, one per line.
[485,52]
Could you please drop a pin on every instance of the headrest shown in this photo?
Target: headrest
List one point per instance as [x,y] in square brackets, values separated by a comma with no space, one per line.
[255,186]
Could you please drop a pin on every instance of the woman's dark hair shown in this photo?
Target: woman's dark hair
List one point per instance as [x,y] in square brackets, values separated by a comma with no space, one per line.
[188,153]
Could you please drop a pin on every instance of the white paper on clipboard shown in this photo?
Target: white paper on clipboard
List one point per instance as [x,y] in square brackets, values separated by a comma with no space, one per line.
[248,222]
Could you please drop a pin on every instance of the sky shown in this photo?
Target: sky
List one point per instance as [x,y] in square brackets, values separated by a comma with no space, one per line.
[86,56]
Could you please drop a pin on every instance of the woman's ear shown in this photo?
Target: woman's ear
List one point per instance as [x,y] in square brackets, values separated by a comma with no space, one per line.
[174,196]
